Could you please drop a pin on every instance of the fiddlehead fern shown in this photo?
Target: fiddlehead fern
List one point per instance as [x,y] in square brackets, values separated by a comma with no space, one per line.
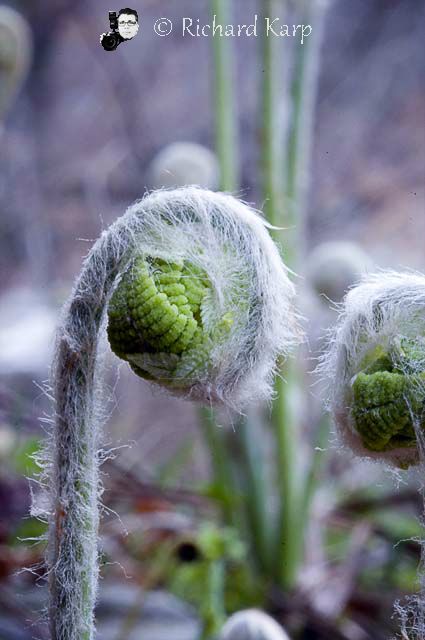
[198,301]
[376,363]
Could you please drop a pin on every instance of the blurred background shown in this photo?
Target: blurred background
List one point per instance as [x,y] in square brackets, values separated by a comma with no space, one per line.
[191,506]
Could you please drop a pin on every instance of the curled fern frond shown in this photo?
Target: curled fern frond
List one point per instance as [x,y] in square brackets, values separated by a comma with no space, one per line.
[197,301]
[376,366]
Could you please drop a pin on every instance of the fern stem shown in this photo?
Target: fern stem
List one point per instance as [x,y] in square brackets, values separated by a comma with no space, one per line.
[74,482]
[284,206]
[224,98]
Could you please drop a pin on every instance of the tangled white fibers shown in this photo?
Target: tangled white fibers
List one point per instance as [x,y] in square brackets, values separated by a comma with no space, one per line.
[206,261]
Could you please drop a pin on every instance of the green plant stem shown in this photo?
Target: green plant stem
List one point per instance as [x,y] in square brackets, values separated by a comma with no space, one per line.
[298,155]
[214,611]
[226,149]
[288,534]
[272,148]
[316,466]
[222,471]
[255,490]
[303,92]
[224,98]
[284,208]
[283,420]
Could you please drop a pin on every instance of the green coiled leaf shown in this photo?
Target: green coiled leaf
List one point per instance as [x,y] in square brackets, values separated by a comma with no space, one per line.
[388,396]
[157,324]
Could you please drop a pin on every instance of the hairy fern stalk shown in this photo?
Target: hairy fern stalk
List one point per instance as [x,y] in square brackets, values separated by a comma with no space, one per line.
[197,301]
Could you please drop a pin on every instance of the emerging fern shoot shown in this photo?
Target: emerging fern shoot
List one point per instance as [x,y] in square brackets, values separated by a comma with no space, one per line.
[199,302]
[376,364]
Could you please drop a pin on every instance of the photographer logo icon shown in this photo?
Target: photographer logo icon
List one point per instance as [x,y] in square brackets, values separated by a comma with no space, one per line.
[123,27]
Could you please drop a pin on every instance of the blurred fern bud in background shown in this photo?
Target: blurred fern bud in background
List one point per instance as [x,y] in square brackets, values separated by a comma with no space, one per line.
[204,306]
[8,438]
[184,163]
[252,624]
[15,55]
[333,267]
[376,367]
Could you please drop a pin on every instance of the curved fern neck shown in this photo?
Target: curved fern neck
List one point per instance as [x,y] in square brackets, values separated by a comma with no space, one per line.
[74,479]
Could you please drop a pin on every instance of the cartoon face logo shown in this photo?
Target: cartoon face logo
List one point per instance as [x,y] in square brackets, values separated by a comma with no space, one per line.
[123,27]
[128,23]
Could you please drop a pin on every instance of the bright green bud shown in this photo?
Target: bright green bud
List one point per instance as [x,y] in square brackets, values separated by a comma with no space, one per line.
[156,321]
[387,396]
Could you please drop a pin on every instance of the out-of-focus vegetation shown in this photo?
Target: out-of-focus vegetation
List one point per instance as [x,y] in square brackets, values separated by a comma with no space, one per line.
[195,506]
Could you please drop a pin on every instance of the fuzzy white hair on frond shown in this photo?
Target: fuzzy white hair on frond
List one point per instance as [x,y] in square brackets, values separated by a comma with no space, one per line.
[381,331]
[227,249]
[375,367]
[203,259]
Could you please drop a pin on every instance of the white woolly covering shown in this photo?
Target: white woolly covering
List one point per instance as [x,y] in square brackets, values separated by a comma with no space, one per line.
[385,307]
[230,242]
[252,624]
